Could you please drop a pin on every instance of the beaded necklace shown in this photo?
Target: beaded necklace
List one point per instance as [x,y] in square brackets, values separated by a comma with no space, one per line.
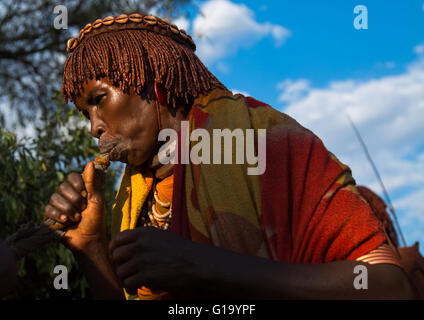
[155,212]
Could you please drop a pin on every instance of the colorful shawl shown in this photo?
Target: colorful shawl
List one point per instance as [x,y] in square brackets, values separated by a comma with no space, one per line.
[303,209]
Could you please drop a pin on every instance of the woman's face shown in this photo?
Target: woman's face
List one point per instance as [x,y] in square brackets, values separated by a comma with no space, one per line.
[126,125]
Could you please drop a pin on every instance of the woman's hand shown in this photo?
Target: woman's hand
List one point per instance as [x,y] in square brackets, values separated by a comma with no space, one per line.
[154,258]
[80,206]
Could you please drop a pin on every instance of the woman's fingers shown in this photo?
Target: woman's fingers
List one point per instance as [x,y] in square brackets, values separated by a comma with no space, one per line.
[68,202]
[74,197]
[51,212]
[76,181]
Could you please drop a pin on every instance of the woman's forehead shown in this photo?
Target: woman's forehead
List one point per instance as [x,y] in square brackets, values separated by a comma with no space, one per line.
[91,84]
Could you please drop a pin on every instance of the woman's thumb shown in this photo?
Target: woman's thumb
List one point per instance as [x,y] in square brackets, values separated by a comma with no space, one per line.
[93,179]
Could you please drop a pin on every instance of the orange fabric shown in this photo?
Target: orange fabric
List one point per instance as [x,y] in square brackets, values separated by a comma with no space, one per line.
[145,293]
[164,189]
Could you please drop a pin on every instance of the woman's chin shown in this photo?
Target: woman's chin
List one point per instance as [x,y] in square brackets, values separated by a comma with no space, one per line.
[136,161]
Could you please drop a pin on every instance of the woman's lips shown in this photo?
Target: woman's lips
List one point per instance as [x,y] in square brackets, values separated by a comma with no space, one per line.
[118,154]
[106,146]
[117,150]
[114,154]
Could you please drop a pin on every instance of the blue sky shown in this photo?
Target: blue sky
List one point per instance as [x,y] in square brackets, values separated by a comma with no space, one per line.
[324,46]
[306,58]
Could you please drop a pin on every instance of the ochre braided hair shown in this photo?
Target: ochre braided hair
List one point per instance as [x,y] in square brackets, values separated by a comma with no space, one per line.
[133,51]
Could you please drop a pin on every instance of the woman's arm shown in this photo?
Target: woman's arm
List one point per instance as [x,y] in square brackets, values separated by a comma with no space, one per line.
[162,260]
[233,275]
[98,269]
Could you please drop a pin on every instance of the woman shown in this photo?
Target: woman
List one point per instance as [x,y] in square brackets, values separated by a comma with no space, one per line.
[297,230]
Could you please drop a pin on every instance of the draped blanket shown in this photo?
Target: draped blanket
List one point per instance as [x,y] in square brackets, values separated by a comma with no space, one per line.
[303,209]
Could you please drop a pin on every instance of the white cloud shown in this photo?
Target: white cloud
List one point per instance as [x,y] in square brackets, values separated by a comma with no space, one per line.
[235,91]
[389,113]
[292,90]
[279,33]
[390,107]
[182,23]
[224,27]
[412,219]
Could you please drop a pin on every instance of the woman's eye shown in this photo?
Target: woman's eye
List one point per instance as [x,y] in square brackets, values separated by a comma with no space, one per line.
[99,98]
[95,99]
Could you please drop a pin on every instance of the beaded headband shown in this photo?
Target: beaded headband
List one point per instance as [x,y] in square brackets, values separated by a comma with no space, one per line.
[138,21]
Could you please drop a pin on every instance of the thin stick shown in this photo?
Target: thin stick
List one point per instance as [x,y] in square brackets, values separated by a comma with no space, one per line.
[386,195]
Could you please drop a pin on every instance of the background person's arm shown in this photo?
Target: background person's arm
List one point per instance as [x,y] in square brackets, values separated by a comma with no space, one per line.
[8,269]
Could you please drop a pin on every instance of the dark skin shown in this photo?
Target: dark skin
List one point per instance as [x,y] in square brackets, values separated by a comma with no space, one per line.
[128,127]
[8,269]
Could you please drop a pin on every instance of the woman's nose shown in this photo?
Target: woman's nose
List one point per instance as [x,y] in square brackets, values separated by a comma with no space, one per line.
[98,127]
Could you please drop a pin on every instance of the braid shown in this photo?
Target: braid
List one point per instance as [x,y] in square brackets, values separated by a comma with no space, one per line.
[133,52]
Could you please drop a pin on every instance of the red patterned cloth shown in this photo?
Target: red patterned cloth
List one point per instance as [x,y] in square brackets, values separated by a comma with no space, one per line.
[303,209]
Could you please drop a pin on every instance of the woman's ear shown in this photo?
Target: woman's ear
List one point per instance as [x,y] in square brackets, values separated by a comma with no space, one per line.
[160,93]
